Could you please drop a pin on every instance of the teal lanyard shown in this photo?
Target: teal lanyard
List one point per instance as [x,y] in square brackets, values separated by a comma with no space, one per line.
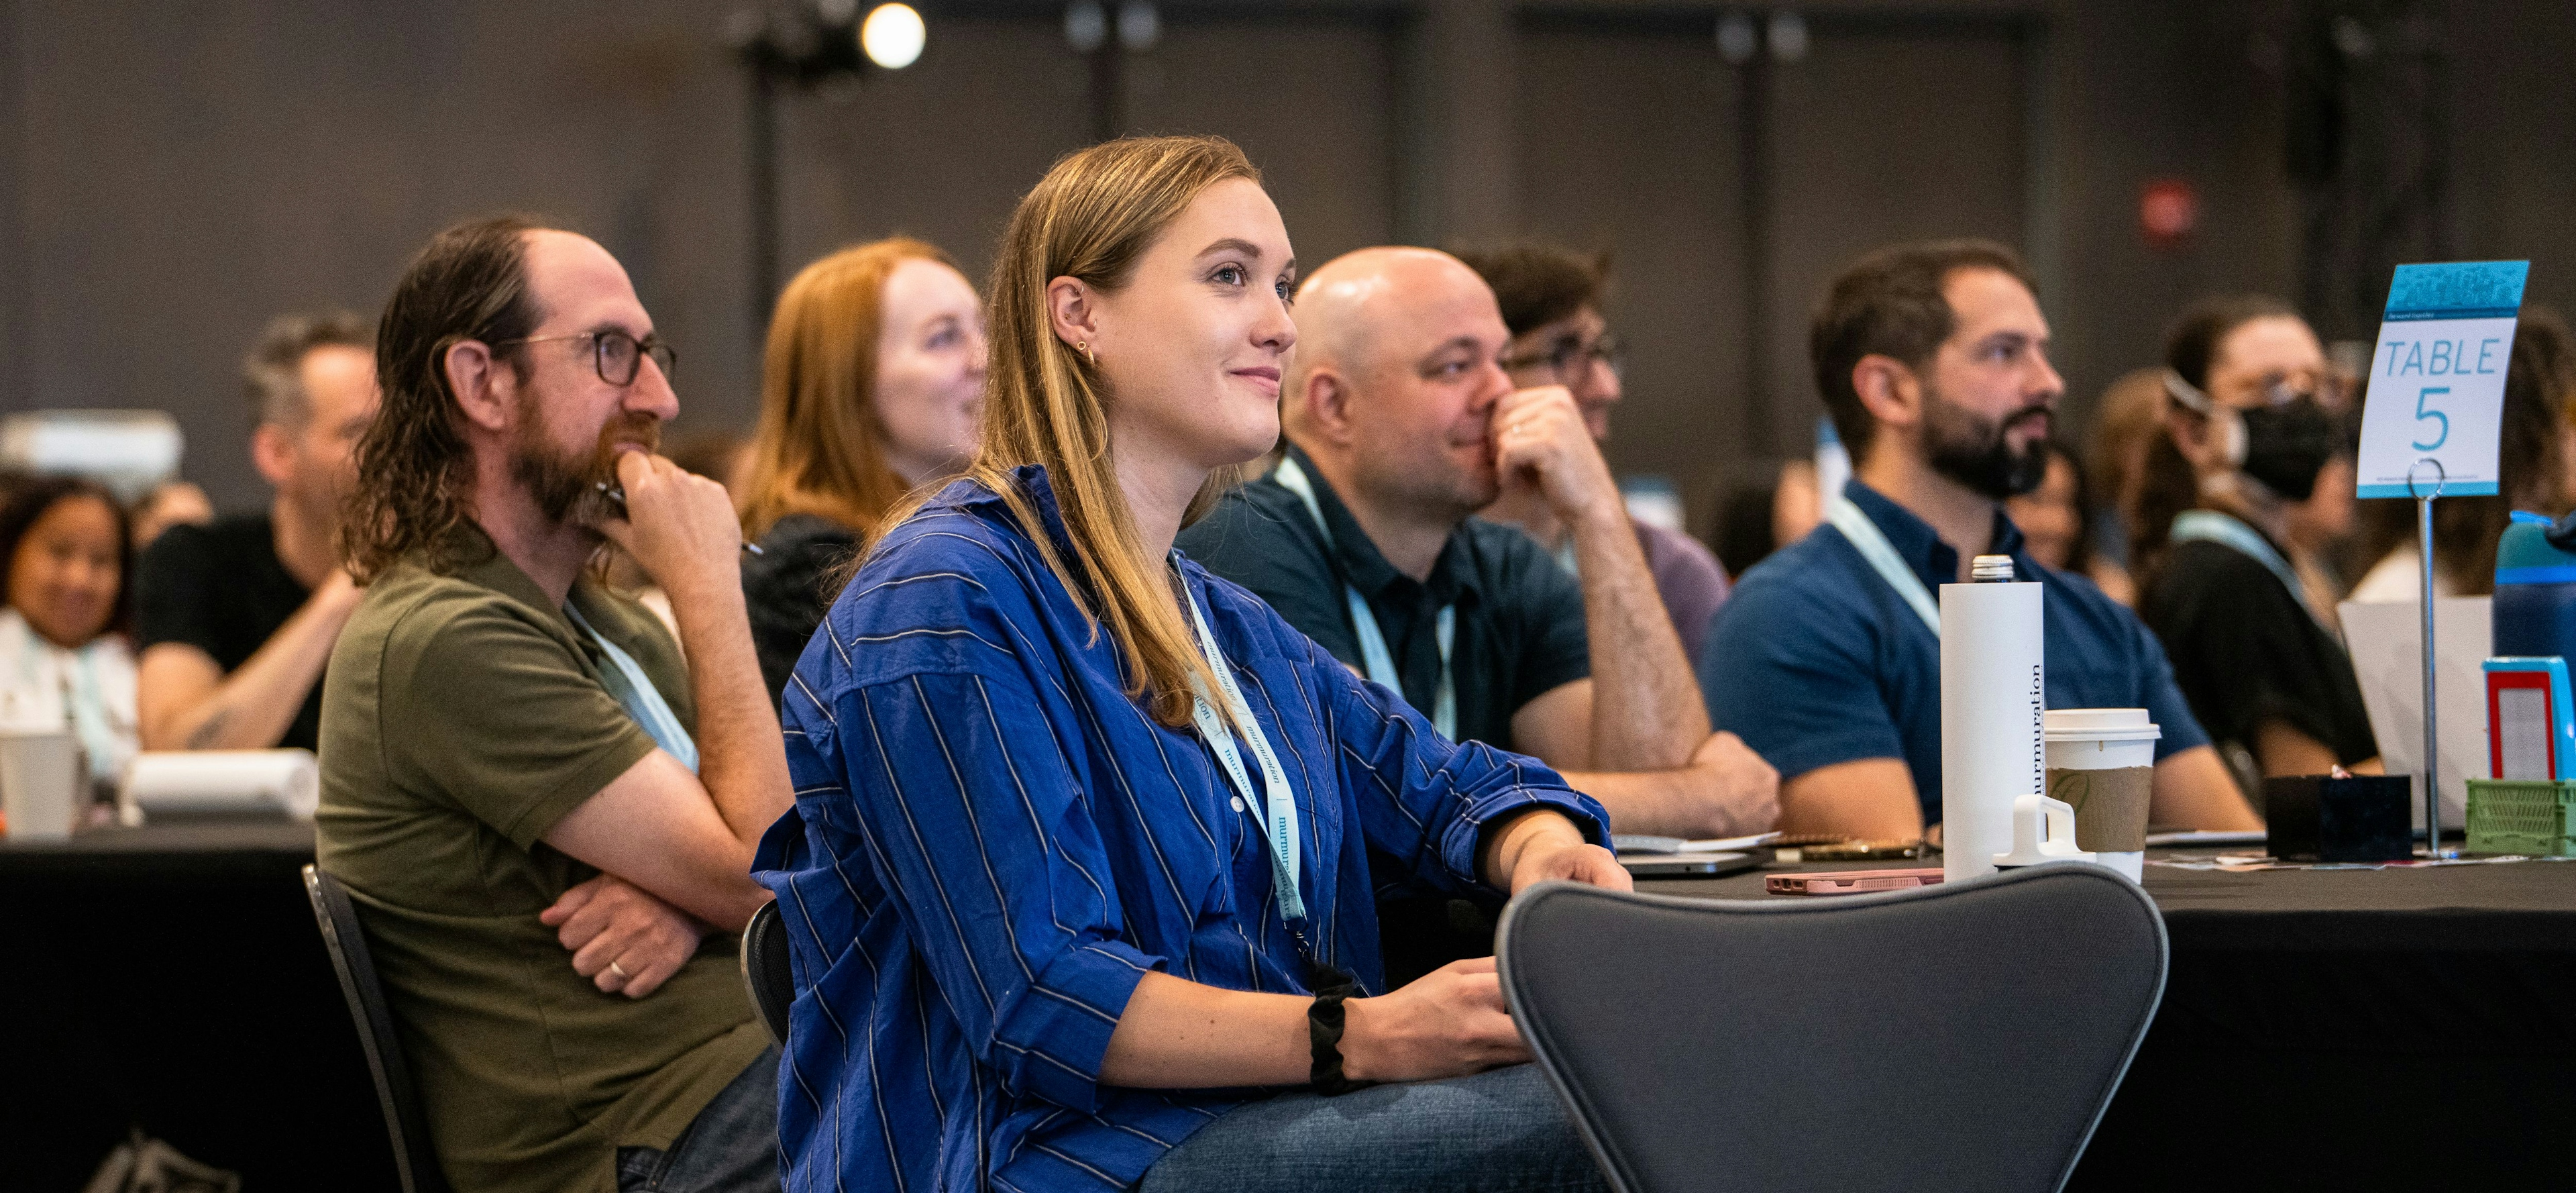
[2211,526]
[625,680]
[1278,802]
[89,713]
[1873,546]
[1373,652]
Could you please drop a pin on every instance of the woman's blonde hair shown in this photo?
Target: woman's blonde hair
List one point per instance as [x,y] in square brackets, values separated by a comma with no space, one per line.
[820,448]
[1091,219]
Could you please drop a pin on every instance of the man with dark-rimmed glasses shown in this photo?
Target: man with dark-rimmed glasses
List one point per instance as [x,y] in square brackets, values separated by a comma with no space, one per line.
[545,816]
[1552,302]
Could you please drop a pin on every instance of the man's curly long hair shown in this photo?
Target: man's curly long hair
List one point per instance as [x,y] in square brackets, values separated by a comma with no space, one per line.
[415,471]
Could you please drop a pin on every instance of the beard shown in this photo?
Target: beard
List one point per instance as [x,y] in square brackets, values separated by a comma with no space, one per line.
[1977,451]
[566,484]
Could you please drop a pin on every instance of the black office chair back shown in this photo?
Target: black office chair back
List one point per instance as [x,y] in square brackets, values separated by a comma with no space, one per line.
[764,969]
[1961,1036]
[413,1158]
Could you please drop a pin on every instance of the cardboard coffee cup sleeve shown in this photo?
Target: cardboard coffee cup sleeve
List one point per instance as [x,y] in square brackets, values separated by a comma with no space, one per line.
[2110,806]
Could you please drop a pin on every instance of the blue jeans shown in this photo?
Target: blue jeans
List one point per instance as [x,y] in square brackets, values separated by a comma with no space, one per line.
[731,1147]
[1499,1131]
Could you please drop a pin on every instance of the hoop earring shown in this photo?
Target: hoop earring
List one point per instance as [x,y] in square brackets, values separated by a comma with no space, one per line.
[1087,354]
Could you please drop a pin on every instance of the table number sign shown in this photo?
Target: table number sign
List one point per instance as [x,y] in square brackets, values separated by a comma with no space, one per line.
[2437,380]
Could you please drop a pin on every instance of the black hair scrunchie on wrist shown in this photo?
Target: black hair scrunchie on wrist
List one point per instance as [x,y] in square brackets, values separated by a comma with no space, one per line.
[1324,1032]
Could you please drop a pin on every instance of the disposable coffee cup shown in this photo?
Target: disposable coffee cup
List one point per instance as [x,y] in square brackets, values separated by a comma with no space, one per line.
[2102,763]
[39,783]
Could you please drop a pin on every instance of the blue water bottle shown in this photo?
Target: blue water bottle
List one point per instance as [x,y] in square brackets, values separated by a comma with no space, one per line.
[2535,587]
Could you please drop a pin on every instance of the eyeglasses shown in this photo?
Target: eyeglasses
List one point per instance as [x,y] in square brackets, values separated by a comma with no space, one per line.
[616,355]
[1570,359]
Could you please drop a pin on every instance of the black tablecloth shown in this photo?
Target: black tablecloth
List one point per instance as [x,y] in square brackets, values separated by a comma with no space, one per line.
[2343,1029]
[2319,1028]
[173,979]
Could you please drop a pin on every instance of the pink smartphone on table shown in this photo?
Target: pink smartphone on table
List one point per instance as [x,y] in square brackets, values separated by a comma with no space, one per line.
[1850,882]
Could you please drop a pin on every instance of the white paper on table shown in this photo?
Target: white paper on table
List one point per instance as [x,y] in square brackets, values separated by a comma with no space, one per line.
[2386,641]
[224,782]
[1723,844]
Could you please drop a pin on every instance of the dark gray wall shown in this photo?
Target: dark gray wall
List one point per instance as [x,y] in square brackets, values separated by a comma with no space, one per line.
[167,181]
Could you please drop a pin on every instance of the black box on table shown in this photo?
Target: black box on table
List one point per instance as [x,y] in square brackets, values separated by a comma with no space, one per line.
[2318,818]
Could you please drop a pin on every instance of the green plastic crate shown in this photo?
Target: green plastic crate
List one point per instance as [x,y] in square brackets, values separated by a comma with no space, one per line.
[2525,816]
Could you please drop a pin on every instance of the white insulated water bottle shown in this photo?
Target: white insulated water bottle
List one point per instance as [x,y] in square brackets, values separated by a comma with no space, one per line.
[1994,702]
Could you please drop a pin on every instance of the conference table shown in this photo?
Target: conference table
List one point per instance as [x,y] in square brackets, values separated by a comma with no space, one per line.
[2334,1028]
[2319,1028]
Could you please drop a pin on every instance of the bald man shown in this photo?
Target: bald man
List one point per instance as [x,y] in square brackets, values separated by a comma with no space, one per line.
[1401,423]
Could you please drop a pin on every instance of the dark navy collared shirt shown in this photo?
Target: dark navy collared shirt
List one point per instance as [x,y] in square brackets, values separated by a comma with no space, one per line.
[992,844]
[1520,616]
[1816,660]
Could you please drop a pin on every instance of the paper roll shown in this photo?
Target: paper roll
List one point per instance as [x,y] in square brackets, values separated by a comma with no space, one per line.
[1994,703]
[225,783]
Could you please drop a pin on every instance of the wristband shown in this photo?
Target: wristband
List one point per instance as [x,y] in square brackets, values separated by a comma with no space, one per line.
[1324,1032]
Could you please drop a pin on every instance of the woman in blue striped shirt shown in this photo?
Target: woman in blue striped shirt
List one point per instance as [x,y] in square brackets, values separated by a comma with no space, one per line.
[1082,875]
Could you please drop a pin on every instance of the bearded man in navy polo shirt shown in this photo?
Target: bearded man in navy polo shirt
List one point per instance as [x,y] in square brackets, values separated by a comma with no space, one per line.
[1932,359]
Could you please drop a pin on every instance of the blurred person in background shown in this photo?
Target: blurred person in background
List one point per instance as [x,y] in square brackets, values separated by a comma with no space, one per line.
[2319,531]
[2536,461]
[64,660]
[2057,524]
[1797,503]
[871,384]
[1552,302]
[2128,418]
[237,617]
[170,503]
[2245,442]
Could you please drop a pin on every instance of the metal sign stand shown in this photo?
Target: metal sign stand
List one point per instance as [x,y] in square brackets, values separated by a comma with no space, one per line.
[2432,757]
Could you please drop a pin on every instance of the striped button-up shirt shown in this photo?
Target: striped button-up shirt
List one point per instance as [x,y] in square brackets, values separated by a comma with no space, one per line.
[993,843]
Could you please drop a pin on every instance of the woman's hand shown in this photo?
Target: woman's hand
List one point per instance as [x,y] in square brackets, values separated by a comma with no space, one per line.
[1447,1023]
[1541,844]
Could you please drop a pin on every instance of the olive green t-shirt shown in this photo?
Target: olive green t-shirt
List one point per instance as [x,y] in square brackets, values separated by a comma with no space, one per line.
[462,717]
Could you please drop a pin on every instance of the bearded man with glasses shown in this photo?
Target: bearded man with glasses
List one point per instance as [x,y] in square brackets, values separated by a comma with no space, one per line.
[1552,301]
[545,816]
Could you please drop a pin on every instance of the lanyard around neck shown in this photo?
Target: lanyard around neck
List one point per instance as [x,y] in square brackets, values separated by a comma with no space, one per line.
[1865,536]
[2211,526]
[84,701]
[1278,801]
[634,690]
[1373,652]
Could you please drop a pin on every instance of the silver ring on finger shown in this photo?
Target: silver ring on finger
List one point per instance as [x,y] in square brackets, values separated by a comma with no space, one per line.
[620,971]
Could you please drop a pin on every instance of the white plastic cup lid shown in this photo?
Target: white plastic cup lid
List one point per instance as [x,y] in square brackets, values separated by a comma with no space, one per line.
[2100,724]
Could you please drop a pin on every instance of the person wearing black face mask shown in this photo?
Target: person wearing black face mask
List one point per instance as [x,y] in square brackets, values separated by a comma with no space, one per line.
[2244,442]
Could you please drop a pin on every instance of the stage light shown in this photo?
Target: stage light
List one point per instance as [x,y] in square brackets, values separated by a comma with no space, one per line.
[892,36]
[1086,25]
[1139,26]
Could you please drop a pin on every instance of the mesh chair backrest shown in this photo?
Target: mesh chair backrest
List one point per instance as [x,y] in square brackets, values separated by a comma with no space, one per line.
[404,1121]
[765,970]
[1963,1036]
